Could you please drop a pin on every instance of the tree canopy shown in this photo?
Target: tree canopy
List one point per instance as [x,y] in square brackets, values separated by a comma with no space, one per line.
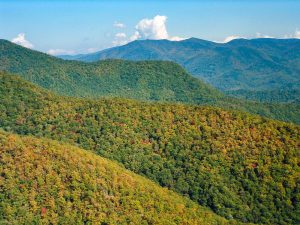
[241,166]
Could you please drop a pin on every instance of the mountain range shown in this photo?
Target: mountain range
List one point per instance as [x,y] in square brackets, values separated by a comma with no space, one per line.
[241,166]
[143,142]
[262,69]
[143,80]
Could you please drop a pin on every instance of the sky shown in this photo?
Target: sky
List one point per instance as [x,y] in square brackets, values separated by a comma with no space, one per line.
[84,26]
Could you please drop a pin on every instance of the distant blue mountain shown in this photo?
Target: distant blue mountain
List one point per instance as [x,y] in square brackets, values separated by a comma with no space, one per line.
[256,69]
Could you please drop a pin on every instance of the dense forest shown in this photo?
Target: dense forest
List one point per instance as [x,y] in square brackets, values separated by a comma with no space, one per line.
[263,64]
[46,182]
[144,80]
[241,166]
[283,95]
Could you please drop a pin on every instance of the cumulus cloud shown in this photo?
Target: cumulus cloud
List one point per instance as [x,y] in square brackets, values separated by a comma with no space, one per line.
[153,28]
[120,39]
[60,52]
[135,36]
[119,25]
[21,40]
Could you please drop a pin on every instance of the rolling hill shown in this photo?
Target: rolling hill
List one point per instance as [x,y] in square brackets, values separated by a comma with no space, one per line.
[241,166]
[150,80]
[145,80]
[245,68]
[47,182]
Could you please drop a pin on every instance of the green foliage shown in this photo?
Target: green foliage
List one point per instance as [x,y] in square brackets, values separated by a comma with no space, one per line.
[155,80]
[240,66]
[241,166]
[46,182]
[144,80]
[284,95]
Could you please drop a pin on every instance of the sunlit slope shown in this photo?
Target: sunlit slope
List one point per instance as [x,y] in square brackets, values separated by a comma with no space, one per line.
[143,80]
[241,166]
[46,182]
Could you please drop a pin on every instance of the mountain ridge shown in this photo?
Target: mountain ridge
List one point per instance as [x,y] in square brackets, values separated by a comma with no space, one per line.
[142,80]
[262,64]
[239,165]
[68,185]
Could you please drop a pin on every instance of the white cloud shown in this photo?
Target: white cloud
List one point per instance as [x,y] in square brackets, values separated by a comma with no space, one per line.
[135,36]
[153,28]
[297,34]
[259,35]
[20,40]
[176,38]
[121,35]
[230,38]
[119,25]
[120,39]
[60,52]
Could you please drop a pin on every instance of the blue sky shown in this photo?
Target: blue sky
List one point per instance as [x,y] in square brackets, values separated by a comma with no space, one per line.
[69,27]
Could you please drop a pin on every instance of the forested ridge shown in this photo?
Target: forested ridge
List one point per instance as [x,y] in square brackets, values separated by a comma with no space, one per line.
[280,95]
[241,66]
[144,80]
[47,182]
[241,166]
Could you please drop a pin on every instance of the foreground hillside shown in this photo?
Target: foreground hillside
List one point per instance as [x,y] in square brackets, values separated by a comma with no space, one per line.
[146,80]
[241,166]
[253,69]
[45,182]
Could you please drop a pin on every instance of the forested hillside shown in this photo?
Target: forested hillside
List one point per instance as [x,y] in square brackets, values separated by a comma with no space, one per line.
[46,182]
[280,95]
[241,166]
[156,80]
[145,80]
[245,66]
